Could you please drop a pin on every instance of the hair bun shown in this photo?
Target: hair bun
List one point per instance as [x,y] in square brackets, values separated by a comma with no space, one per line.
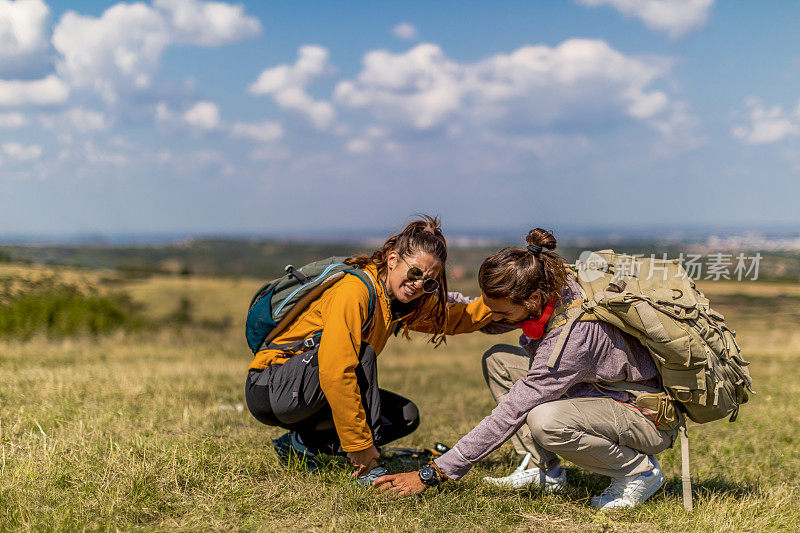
[535,249]
[425,224]
[541,237]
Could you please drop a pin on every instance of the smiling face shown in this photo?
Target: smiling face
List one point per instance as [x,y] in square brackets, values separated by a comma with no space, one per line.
[503,309]
[397,283]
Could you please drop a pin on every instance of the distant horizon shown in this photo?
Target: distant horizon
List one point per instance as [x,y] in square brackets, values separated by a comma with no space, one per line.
[565,234]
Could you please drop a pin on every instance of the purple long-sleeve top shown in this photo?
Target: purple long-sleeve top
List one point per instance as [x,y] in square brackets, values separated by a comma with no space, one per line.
[594,352]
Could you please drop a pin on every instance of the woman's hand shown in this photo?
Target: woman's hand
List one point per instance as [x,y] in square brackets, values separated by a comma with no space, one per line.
[364,460]
[405,484]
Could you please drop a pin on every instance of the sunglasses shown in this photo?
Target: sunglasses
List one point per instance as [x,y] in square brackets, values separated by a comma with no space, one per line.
[415,274]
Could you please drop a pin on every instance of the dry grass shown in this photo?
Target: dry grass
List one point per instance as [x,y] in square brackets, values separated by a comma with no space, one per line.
[67,275]
[751,288]
[142,431]
[212,298]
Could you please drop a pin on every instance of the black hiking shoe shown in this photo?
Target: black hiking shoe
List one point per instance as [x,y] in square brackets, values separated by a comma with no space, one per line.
[289,446]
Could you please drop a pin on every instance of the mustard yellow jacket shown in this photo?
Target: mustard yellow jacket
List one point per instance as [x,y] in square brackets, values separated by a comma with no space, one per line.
[340,312]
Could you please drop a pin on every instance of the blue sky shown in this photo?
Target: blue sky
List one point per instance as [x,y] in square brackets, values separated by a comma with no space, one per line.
[269,117]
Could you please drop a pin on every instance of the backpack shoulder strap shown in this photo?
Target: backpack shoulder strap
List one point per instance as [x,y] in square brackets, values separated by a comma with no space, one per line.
[298,308]
[566,316]
[573,315]
[313,341]
[373,298]
[563,313]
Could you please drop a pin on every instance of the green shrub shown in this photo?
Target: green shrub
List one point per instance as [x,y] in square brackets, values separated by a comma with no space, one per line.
[59,310]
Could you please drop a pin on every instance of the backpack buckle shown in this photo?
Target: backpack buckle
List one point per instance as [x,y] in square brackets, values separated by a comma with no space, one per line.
[293,272]
[309,343]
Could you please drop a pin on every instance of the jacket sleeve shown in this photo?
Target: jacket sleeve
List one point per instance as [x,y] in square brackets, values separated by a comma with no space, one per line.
[339,347]
[461,317]
[577,363]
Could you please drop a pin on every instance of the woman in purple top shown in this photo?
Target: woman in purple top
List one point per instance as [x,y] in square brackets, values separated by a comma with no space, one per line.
[568,411]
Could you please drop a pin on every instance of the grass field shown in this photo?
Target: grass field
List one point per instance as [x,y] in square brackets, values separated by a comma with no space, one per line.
[146,431]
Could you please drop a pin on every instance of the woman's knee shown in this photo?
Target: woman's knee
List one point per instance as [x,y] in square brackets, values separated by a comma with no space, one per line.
[401,414]
[409,413]
[411,416]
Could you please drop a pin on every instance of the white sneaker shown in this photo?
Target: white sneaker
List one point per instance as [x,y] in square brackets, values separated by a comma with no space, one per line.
[630,491]
[524,476]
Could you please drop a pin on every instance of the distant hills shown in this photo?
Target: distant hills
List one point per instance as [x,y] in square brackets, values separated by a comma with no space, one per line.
[774,257]
[754,238]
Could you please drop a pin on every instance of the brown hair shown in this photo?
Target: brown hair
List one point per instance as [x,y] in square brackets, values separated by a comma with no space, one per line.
[421,235]
[517,273]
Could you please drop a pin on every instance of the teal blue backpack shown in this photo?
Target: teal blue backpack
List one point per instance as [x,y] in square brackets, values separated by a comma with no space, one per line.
[278,302]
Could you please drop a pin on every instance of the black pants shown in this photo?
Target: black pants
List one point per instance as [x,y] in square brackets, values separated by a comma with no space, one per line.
[290,396]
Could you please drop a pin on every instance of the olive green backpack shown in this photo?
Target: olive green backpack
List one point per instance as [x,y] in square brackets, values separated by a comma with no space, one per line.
[702,371]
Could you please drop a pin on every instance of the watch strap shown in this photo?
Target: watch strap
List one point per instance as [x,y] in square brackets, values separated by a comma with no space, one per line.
[439,471]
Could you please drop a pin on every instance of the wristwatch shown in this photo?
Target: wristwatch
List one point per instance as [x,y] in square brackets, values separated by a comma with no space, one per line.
[429,476]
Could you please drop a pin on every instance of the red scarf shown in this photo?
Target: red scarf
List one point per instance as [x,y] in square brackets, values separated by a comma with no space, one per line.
[533,328]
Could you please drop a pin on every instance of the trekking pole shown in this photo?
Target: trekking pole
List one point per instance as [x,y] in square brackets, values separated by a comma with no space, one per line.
[686,478]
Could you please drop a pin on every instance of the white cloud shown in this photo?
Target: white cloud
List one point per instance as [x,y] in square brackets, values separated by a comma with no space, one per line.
[163,113]
[579,82]
[405,31]
[767,124]
[102,156]
[86,120]
[372,138]
[208,23]
[203,116]
[264,132]
[48,91]
[76,120]
[12,120]
[22,152]
[270,152]
[23,30]
[421,86]
[358,146]
[88,155]
[287,85]
[122,49]
[675,18]
[680,127]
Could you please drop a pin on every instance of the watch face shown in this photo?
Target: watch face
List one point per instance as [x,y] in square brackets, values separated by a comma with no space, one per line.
[428,476]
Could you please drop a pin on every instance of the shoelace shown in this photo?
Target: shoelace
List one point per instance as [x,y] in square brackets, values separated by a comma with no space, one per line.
[524,464]
[638,487]
[616,488]
[521,471]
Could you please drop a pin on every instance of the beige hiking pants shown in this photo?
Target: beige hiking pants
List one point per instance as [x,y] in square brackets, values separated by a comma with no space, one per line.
[598,434]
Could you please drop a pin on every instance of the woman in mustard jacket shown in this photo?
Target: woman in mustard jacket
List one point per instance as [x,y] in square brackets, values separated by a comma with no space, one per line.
[331,402]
